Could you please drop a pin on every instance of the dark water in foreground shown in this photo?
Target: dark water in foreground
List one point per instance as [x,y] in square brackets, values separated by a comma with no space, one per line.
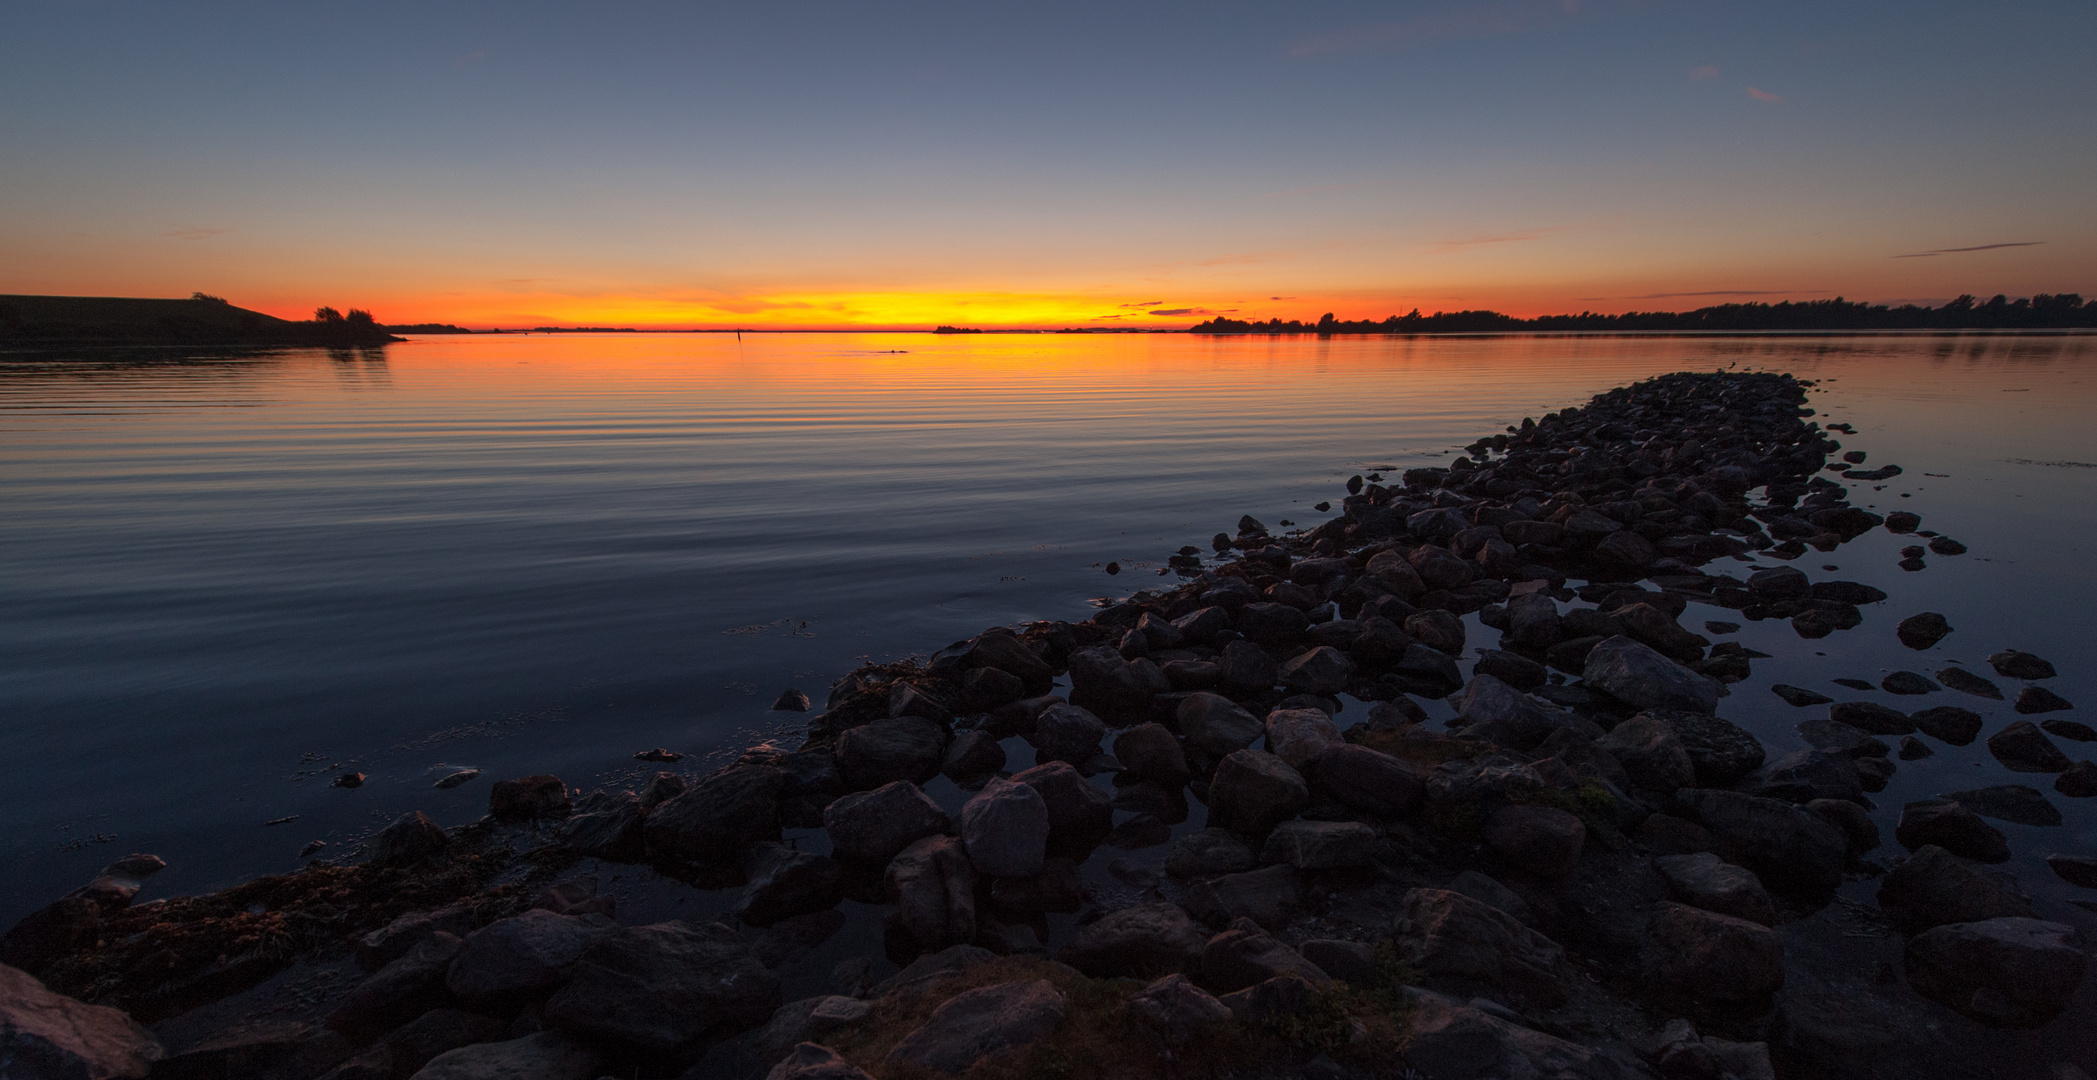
[222,577]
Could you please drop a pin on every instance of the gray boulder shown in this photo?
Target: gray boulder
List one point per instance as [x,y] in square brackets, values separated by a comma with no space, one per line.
[1500,714]
[546,1055]
[2022,747]
[606,827]
[909,748]
[1246,669]
[512,958]
[1449,1041]
[1253,791]
[872,826]
[664,989]
[1298,735]
[1454,938]
[972,755]
[1704,880]
[1949,825]
[812,1061]
[1788,847]
[1320,845]
[934,890]
[1721,751]
[1709,957]
[807,1020]
[1268,896]
[785,883]
[1933,887]
[411,838]
[1142,942]
[1245,955]
[1633,673]
[1651,753]
[1216,725]
[399,992]
[1175,1008]
[44,1034]
[1365,780]
[1067,733]
[1805,775]
[1151,752]
[1208,853]
[1323,670]
[1005,828]
[718,817]
[981,1023]
[2009,802]
[2004,972]
[415,1044]
[1080,814]
[1542,841]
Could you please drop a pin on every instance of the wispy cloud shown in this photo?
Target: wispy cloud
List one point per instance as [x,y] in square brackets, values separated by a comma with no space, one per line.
[194,234]
[1763,95]
[1706,73]
[1180,311]
[1492,18]
[1714,292]
[1141,303]
[1976,247]
[1496,238]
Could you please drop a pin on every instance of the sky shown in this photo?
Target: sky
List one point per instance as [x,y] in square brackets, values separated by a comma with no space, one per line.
[816,164]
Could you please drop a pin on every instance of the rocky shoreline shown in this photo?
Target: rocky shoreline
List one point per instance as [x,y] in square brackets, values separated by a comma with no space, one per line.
[1587,873]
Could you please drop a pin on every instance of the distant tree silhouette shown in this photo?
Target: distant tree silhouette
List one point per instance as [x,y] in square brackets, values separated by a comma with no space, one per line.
[359,317]
[326,315]
[2044,311]
[207,298]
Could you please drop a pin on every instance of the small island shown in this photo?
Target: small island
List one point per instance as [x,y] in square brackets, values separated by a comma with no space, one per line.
[2058,311]
[202,319]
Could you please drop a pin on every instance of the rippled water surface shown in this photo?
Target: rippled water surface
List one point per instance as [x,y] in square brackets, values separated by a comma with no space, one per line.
[222,576]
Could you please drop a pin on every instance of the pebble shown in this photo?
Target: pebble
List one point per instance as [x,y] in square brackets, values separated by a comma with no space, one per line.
[455,779]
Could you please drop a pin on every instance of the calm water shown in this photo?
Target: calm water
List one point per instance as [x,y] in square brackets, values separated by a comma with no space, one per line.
[223,576]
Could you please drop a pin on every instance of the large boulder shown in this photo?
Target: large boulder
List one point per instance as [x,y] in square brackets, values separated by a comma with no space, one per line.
[908,748]
[1298,735]
[999,649]
[1805,775]
[812,1061]
[1703,880]
[1651,753]
[1080,815]
[805,1020]
[399,992]
[511,959]
[607,826]
[934,890]
[2004,972]
[1709,957]
[528,797]
[1323,670]
[1152,752]
[1208,853]
[2022,747]
[1454,938]
[1648,625]
[1320,845]
[1103,682]
[1933,887]
[1005,828]
[664,989]
[718,817]
[411,838]
[1067,733]
[1720,750]
[1142,942]
[1636,675]
[1253,791]
[871,827]
[414,1044]
[1949,825]
[1175,1008]
[43,1034]
[1449,1041]
[1268,896]
[1365,780]
[1245,955]
[1542,841]
[547,1055]
[785,883]
[1215,724]
[982,1023]
[1500,714]
[1788,847]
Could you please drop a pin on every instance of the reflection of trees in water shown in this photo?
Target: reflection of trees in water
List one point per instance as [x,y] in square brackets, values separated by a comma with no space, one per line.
[160,375]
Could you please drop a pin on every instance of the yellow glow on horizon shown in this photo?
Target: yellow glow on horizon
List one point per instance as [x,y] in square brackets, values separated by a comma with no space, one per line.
[799,310]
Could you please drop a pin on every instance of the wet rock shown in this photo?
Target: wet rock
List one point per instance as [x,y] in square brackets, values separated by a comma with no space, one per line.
[664,989]
[1907,682]
[972,756]
[908,748]
[1453,938]
[1208,853]
[44,1034]
[933,887]
[1059,887]
[393,941]
[1269,623]
[1933,887]
[1788,847]
[1323,670]
[1945,545]
[1347,961]
[2022,747]
[1080,815]
[1841,738]
[1721,751]
[1811,774]
[1176,1009]
[790,700]
[1440,568]
[1246,955]
[1500,714]
[2009,802]
[2004,972]
[1298,735]
[872,827]
[1922,631]
[528,797]
[1427,672]
[1706,881]
[398,992]
[348,780]
[1799,697]
[410,839]
[929,969]
[1253,791]
[1780,583]
[413,1045]
[547,1055]
[1268,896]
[1873,773]
[1151,752]
[1871,717]
[2075,869]
[515,957]
[1459,1041]
[1532,622]
[1913,749]
[1438,630]
[1283,995]
[2067,729]
[1005,829]
[1633,673]
[1517,671]
[1651,753]
[2077,781]
[719,816]
[806,1020]
[1216,725]
[1665,834]
[1851,820]
[785,883]
[1653,627]
[1490,892]
[1002,650]
[1952,827]
[1142,942]
[1950,723]
[1067,733]
[2020,665]
[2037,699]
[811,1061]
[608,828]
[1320,845]
[1966,682]
[452,780]
[1365,780]
[1706,956]
[909,699]
[1541,841]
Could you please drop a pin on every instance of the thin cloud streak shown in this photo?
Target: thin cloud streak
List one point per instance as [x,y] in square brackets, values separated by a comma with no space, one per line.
[1763,95]
[1976,247]
[1502,238]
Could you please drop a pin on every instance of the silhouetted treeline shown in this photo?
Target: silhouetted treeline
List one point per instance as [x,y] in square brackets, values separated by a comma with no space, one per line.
[202,319]
[2044,311]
